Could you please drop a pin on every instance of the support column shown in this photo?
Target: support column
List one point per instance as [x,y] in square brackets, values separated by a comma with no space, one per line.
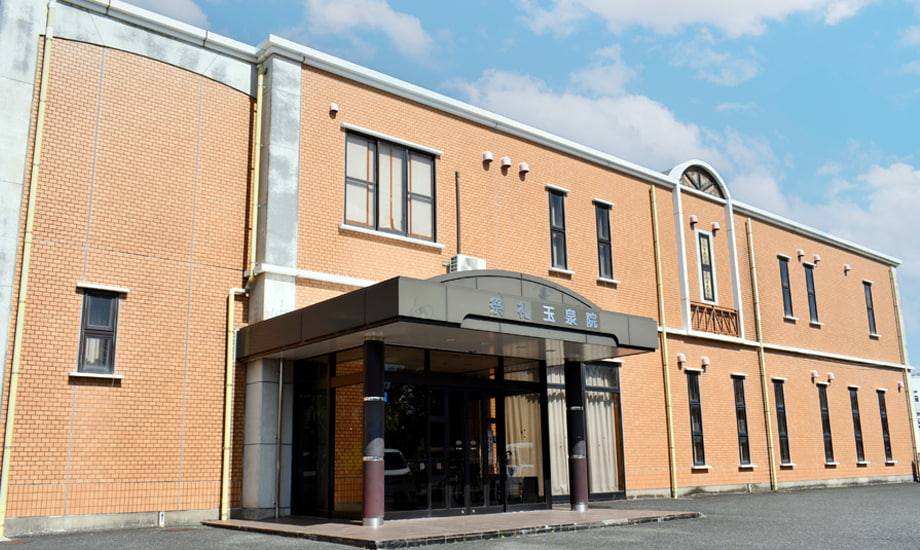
[575,423]
[373,502]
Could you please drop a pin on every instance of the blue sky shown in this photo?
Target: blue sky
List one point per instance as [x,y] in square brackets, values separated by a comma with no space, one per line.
[807,108]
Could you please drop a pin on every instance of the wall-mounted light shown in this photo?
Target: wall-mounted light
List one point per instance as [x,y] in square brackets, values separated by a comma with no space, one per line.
[333,108]
[487,156]
[814,375]
[817,258]
[715,227]
[799,252]
[900,385]
[681,359]
[694,220]
[704,362]
[830,377]
[523,168]
[846,268]
[506,162]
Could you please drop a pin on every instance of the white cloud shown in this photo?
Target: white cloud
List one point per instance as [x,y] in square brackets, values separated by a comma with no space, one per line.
[716,67]
[186,11]
[911,68]
[749,106]
[911,36]
[344,16]
[733,17]
[598,112]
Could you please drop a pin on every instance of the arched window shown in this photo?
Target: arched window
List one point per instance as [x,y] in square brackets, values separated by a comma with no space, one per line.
[701,180]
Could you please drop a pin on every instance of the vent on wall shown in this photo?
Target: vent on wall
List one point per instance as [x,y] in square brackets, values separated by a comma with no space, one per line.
[462,262]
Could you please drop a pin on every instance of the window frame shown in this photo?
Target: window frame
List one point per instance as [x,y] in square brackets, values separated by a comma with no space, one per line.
[407,199]
[604,242]
[782,426]
[697,441]
[824,410]
[788,309]
[704,268]
[558,257]
[812,295]
[90,331]
[870,308]
[744,441]
[857,424]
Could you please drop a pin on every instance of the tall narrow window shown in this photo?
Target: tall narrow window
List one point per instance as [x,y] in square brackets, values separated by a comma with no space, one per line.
[870,308]
[886,437]
[826,424]
[97,334]
[696,418]
[857,425]
[784,455]
[787,289]
[557,228]
[604,248]
[810,287]
[744,448]
[707,272]
[389,187]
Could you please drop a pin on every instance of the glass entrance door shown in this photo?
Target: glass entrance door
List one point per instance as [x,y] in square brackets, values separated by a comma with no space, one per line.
[464,452]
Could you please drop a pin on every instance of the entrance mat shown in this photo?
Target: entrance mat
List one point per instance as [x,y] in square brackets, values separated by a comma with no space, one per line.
[405,533]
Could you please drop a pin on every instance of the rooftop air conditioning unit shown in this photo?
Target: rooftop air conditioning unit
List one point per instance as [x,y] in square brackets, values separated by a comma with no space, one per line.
[462,262]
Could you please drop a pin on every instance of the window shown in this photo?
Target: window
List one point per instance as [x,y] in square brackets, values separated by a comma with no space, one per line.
[557,228]
[870,309]
[97,334]
[696,418]
[784,456]
[744,448]
[787,290]
[701,180]
[389,187]
[857,425]
[707,275]
[810,286]
[604,247]
[886,437]
[826,424]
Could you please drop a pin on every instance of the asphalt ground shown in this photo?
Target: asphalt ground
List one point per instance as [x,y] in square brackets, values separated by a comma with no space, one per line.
[863,517]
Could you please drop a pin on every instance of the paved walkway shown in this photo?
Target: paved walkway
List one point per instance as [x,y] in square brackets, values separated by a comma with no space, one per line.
[405,533]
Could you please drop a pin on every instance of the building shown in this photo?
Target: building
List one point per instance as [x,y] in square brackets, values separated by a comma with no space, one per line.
[264,281]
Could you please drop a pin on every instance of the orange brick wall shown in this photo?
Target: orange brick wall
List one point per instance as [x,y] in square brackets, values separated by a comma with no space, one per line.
[143,184]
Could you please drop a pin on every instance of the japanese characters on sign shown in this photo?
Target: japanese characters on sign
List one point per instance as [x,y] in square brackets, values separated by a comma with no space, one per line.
[555,314]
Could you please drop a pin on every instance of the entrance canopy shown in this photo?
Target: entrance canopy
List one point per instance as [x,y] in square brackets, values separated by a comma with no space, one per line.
[483,312]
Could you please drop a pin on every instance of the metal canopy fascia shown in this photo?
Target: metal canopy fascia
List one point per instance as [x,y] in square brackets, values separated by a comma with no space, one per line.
[454,317]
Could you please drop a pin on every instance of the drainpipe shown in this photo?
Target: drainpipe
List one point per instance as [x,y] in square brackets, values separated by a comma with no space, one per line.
[278,441]
[663,335]
[229,368]
[904,359]
[457,185]
[24,271]
[761,358]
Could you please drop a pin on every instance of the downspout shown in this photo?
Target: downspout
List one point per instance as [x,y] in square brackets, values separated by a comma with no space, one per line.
[761,358]
[229,368]
[904,359]
[457,186]
[278,440]
[663,336]
[24,271]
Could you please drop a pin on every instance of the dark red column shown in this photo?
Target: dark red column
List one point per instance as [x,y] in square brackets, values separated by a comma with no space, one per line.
[373,506]
[575,423]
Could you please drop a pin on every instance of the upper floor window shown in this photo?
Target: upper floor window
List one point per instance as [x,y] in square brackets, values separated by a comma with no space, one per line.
[557,228]
[97,331]
[389,187]
[701,180]
[810,287]
[707,269]
[787,289]
[870,309]
[604,246]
